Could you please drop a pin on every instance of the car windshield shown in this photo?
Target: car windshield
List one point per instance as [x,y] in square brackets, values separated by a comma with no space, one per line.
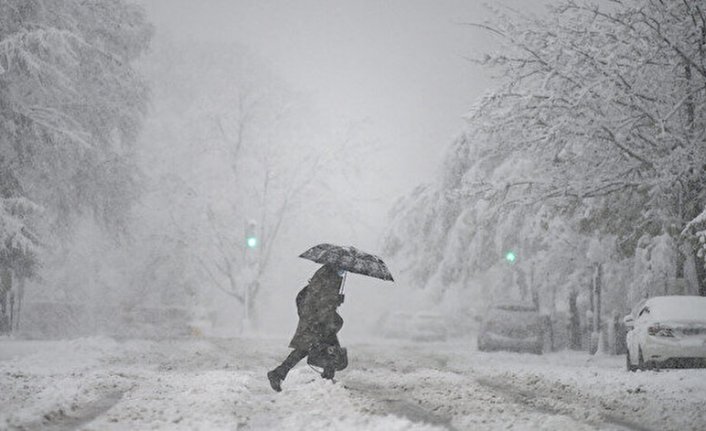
[678,308]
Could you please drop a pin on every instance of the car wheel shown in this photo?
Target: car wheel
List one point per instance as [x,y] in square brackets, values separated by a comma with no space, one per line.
[628,363]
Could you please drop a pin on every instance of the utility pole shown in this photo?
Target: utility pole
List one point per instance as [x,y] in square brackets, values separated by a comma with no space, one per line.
[511,259]
[252,243]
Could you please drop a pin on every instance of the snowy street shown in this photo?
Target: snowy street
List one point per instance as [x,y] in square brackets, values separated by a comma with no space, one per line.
[209,384]
[189,188]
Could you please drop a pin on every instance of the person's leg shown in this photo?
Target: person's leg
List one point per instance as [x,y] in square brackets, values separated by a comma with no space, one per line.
[280,373]
[293,359]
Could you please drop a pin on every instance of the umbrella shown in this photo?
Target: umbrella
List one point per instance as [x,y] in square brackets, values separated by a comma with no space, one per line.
[349,259]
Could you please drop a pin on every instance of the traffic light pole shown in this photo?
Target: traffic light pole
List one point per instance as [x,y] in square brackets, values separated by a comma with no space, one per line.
[249,249]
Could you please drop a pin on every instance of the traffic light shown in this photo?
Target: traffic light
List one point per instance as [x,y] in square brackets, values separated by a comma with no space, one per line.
[510,256]
[251,240]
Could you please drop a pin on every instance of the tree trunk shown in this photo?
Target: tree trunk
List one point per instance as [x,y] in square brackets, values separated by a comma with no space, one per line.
[5,287]
[574,323]
[681,258]
[249,303]
[599,287]
[700,274]
[11,324]
[596,327]
[20,298]
[689,99]
[690,119]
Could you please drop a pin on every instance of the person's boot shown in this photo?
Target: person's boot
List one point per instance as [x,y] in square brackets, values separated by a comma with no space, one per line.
[275,379]
[328,373]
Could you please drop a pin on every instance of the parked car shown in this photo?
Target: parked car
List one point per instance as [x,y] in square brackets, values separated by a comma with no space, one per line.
[515,327]
[420,326]
[667,331]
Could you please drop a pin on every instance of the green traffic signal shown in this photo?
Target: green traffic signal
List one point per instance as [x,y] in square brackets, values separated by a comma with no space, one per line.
[251,242]
[510,256]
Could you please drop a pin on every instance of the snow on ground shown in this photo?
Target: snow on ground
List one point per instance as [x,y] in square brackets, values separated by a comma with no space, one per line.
[219,384]
[596,386]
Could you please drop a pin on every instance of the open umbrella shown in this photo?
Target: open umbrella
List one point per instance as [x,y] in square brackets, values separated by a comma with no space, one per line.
[349,259]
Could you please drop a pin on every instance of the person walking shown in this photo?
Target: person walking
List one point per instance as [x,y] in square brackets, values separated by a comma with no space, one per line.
[318,322]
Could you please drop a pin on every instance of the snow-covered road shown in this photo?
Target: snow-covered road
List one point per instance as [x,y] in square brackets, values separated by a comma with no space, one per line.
[220,384]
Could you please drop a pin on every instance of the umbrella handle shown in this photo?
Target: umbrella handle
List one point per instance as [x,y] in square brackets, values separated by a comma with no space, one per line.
[342,289]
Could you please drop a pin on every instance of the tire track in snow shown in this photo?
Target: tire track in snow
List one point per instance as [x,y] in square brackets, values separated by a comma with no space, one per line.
[61,420]
[540,402]
[393,404]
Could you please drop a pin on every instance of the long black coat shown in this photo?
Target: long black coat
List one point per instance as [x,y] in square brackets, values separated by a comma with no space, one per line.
[316,306]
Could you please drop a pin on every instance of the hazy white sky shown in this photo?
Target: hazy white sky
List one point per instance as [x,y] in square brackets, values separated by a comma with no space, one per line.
[398,65]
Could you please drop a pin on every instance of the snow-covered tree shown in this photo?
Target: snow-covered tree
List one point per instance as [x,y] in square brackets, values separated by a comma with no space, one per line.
[19,246]
[593,136]
[605,95]
[71,107]
[695,231]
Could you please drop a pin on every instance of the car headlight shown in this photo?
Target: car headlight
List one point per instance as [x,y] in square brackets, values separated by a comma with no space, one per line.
[660,331]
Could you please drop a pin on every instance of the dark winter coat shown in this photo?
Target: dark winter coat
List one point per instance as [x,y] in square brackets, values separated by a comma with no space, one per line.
[316,306]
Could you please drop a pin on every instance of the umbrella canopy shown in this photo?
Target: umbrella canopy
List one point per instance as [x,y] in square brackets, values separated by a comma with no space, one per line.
[350,259]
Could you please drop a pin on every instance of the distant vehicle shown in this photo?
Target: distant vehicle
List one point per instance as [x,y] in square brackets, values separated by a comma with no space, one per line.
[667,331]
[420,326]
[514,327]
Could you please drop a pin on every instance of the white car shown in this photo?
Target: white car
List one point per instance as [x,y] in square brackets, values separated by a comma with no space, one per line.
[667,331]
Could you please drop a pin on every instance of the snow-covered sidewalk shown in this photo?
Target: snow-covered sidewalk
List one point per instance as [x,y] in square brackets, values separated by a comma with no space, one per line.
[217,384]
